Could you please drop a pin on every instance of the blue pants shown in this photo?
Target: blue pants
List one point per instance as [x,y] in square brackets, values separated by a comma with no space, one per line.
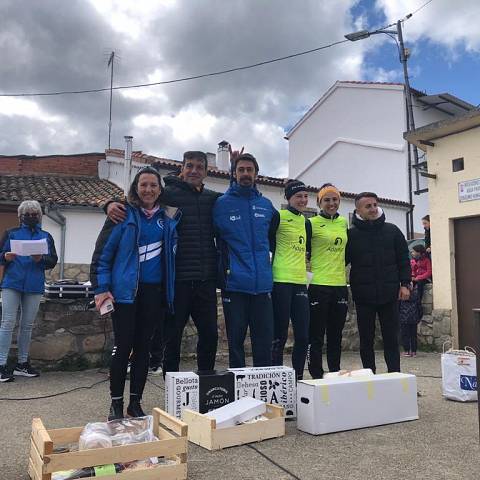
[290,301]
[242,311]
[28,303]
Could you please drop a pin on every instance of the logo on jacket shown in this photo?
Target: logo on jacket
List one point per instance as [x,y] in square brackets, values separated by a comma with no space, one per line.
[160,223]
[152,250]
[257,215]
[301,239]
[256,207]
[234,218]
[338,241]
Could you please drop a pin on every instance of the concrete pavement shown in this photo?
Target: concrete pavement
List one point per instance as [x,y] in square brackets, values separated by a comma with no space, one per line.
[444,443]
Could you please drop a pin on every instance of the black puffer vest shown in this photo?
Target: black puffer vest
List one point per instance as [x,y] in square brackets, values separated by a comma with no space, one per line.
[196,257]
[378,254]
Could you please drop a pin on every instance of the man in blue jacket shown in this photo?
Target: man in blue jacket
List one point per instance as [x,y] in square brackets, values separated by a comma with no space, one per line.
[242,219]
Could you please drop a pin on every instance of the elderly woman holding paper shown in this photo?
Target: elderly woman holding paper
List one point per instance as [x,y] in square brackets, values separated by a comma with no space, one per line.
[23,283]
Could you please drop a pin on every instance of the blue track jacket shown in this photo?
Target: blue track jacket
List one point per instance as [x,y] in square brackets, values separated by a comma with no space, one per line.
[115,263]
[23,273]
[242,218]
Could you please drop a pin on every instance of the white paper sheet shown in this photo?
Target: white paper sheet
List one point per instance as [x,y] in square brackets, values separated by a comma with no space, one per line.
[29,247]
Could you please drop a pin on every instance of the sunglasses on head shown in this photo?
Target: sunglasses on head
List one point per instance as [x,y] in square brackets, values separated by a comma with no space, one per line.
[31,214]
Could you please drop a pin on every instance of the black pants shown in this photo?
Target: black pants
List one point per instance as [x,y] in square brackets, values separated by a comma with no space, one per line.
[290,301]
[328,312]
[408,332]
[389,324]
[133,327]
[242,311]
[157,347]
[199,300]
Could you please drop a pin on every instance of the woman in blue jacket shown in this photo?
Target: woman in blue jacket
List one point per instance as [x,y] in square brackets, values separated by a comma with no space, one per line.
[133,266]
[22,287]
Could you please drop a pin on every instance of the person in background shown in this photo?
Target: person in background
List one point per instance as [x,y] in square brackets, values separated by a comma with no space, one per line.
[428,239]
[328,289]
[421,266]
[379,277]
[289,295]
[134,266]
[242,218]
[22,287]
[410,314]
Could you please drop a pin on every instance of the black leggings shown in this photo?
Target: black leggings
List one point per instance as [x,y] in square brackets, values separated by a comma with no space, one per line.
[133,328]
[328,312]
[408,333]
[290,301]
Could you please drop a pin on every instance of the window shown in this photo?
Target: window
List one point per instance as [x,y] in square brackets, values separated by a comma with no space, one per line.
[457,165]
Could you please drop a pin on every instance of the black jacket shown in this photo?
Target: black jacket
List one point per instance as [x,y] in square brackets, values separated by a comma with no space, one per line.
[378,254]
[196,257]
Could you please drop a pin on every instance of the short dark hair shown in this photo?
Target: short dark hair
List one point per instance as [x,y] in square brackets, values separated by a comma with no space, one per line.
[426,217]
[195,155]
[247,157]
[419,248]
[365,195]
[132,196]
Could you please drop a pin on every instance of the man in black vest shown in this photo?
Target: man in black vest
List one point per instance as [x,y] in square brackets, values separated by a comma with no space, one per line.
[379,277]
[196,262]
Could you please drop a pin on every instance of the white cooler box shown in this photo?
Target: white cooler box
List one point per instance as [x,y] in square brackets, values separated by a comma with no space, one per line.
[346,403]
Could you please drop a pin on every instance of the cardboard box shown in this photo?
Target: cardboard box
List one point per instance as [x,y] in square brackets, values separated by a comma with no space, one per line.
[275,385]
[237,412]
[200,392]
[346,403]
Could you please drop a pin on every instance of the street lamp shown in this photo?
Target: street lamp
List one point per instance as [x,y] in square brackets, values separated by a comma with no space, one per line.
[404,53]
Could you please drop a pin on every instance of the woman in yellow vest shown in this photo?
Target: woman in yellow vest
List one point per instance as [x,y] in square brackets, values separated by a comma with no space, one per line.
[328,288]
[289,294]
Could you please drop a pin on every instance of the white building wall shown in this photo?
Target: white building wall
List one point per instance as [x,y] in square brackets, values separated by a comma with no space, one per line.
[82,229]
[353,138]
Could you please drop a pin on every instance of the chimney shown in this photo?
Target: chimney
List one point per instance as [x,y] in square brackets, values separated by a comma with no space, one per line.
[128,164]
[223,156]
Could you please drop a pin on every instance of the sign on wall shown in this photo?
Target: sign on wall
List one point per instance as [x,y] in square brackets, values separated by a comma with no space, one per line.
[469,190]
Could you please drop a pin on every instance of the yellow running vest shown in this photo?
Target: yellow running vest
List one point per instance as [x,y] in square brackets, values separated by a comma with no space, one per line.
[289,264]
[329,239]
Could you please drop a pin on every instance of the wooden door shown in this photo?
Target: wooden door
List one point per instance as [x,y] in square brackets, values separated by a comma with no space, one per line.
[467,272]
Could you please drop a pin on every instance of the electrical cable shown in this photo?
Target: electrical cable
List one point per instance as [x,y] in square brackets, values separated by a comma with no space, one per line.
[273,462]
[86,387]
[419,8]
[177,80]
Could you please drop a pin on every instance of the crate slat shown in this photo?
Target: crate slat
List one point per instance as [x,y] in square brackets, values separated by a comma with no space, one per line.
[63,436]
[41,438]
[120,454]
[174,424]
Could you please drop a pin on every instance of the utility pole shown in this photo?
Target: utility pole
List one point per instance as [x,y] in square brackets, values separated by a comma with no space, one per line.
[410,126]
[110,64]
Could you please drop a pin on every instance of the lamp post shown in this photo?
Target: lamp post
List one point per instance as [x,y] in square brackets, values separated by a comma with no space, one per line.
[403,54]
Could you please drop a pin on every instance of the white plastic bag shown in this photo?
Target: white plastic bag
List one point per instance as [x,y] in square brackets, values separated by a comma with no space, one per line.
[459,375]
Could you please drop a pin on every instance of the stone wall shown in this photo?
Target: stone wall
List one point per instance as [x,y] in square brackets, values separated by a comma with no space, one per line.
[73,271]
[67,335]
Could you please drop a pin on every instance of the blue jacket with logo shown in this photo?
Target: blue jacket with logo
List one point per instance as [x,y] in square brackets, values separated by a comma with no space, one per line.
[115,263]
[242,219]
[23,273]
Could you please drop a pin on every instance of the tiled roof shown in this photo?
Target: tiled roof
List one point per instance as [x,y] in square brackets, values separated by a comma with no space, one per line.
[216,173]
[58,190]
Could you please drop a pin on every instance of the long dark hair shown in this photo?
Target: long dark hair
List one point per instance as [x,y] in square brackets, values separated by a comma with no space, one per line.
[132,197]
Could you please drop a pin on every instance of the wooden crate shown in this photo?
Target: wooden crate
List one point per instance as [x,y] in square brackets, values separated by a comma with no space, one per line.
[203,430]
[43,462]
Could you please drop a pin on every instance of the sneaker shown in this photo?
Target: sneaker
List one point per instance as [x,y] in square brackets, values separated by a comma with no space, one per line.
[406,354]
[5,375]
[129,366]
[155,370]
[25,370]
[413,354]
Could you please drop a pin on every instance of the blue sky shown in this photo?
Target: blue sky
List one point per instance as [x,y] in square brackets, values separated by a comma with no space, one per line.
[434,67]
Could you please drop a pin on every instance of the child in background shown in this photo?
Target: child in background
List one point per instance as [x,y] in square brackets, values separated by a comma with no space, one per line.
[410,314]
[421,268]
[428,238]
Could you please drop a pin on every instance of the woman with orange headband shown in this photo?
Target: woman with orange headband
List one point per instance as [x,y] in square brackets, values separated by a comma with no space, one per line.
[327,292]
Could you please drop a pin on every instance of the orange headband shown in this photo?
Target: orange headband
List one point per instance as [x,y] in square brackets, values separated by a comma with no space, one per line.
[327,189]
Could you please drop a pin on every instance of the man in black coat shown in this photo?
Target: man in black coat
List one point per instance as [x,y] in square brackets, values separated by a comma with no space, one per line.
[195,264]
[379,277]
